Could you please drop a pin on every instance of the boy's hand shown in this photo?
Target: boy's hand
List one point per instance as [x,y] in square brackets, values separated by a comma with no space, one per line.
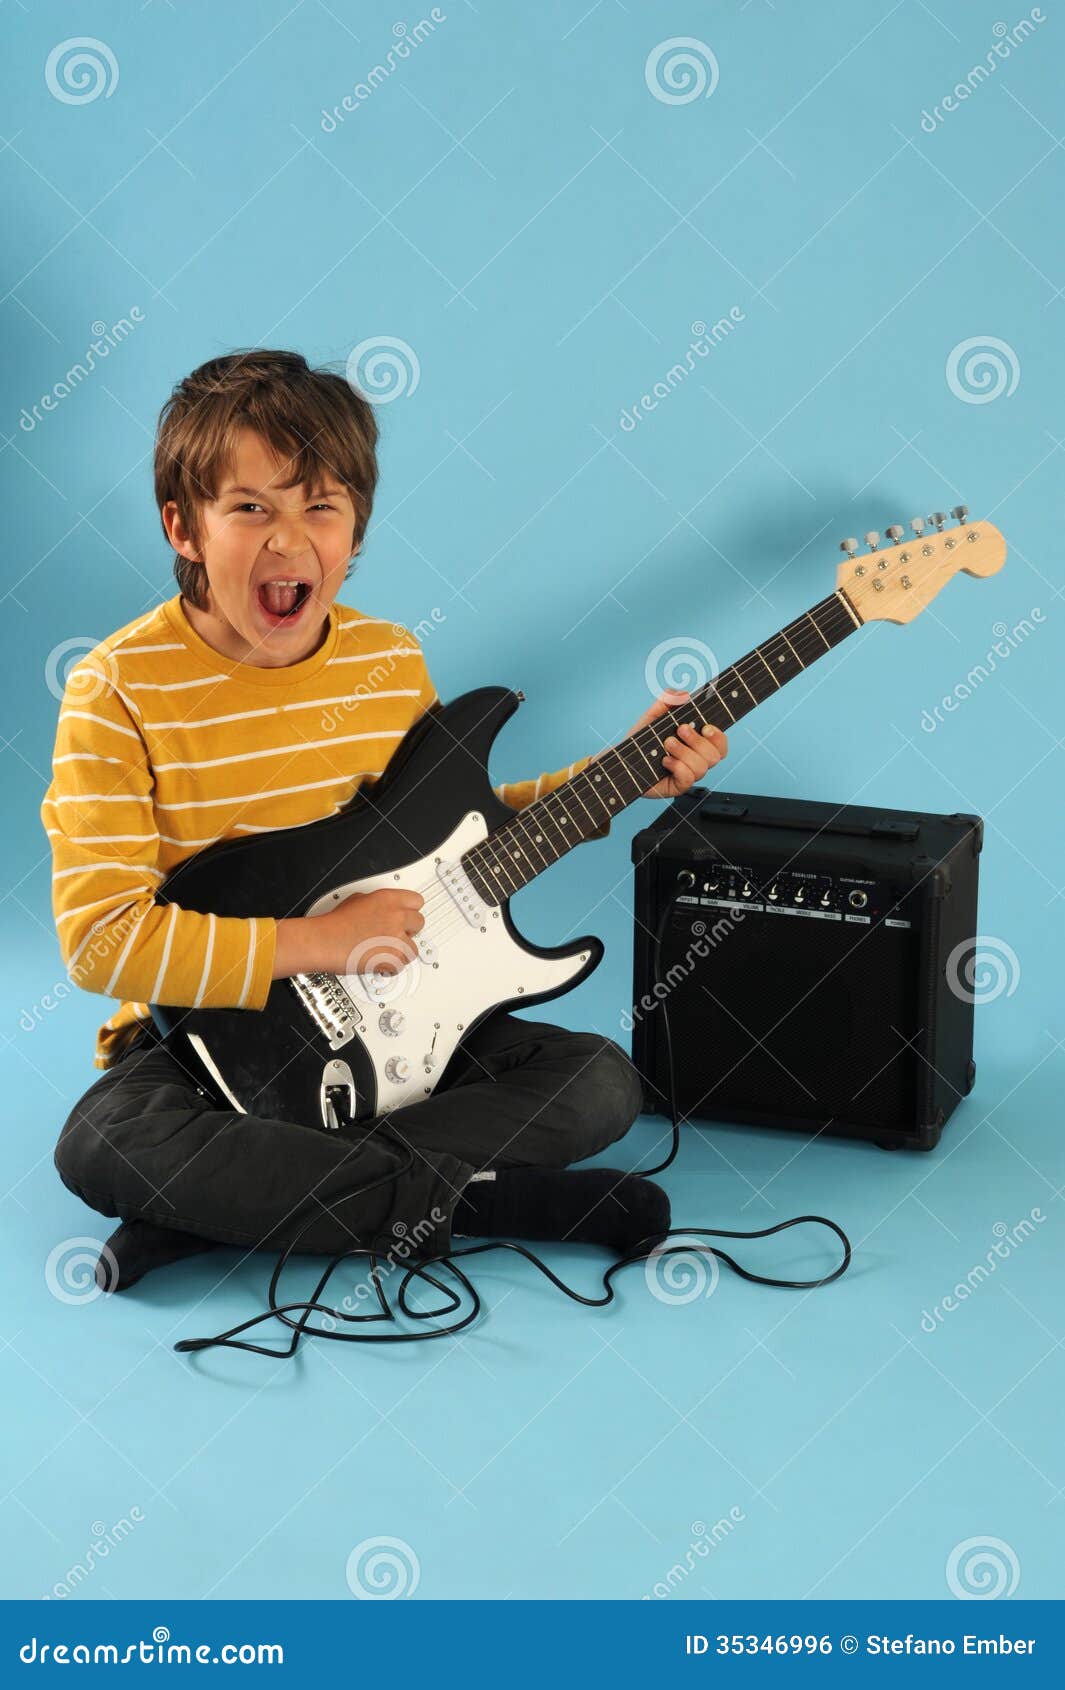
[372,932]
[689,754]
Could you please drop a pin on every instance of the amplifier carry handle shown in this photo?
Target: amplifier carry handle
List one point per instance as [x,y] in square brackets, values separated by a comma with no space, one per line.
[883,827]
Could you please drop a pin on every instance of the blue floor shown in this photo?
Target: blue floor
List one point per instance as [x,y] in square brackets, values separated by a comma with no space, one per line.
[736,1441]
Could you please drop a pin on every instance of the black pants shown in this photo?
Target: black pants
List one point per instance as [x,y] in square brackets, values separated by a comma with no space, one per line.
[146,1141]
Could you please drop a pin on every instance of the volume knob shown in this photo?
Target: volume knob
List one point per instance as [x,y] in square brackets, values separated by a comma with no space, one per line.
[397,1069]
[391,1022]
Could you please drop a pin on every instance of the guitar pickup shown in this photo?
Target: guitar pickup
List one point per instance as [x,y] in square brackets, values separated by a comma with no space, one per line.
[456,881]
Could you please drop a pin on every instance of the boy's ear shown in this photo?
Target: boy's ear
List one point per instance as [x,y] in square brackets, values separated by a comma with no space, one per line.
[176,531]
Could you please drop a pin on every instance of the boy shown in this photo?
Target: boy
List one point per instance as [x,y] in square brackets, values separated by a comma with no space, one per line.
[251,701]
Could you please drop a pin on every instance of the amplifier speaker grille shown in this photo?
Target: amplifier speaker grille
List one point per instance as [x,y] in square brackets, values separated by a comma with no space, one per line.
[782,1017]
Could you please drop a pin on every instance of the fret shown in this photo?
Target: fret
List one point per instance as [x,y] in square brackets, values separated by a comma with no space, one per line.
[811,618]
[550,826]
[535,839]
[768,669]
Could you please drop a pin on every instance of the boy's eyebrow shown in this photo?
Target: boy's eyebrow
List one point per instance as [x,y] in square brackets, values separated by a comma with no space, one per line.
[263,493]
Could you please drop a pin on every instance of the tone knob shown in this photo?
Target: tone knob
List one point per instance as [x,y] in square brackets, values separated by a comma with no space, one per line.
[391,1022]
[800,896]
[773,893]
[397,1069]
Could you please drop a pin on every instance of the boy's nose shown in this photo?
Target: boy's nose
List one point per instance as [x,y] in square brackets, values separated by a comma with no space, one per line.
[288,540]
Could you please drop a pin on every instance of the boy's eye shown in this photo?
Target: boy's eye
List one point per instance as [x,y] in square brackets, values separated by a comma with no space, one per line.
[250,505]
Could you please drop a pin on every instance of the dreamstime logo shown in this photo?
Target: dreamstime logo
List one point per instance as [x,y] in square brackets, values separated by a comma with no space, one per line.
[78,71]
[407,37]
[1007,1240]
[982,369]
[64,676]
[382,670]
[704,1540]
[377,962]
[407,1241]
[106,338]
[982,1569]
[703,942]
[104,1539]
[701,345]
[680,663]
[1006,641]
[70,1271]
[980,969]
[681,70]
[384,368]
[681,1273]
[101,940]
[1006,40]
[382,1569]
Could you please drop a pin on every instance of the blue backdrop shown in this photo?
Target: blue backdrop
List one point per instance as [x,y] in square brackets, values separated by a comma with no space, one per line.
[515,223]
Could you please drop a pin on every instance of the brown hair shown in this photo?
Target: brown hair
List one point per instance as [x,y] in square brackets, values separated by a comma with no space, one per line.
[312,416]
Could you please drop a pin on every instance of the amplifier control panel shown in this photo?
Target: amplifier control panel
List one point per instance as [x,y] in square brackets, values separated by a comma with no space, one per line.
[792,892]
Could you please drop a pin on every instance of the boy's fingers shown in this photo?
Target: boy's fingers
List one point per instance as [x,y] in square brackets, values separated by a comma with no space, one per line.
[684,757]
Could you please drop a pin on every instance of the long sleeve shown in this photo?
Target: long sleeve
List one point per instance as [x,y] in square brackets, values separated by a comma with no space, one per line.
[521,792]
[113,937]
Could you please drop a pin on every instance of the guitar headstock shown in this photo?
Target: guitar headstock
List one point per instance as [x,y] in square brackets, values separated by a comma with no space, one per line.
[895,582]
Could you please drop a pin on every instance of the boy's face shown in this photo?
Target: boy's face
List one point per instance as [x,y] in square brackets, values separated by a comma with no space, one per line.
[257,531]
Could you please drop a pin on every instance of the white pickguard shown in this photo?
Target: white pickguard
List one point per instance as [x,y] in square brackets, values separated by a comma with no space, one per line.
[464,968]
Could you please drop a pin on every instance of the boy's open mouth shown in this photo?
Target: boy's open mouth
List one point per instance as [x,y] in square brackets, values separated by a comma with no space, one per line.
[283,600]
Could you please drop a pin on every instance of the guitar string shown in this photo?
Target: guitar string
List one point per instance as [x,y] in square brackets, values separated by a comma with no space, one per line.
[438,899]
[557,800]
[604,765]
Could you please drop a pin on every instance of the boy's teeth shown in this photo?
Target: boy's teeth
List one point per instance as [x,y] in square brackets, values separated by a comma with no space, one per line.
[279,596]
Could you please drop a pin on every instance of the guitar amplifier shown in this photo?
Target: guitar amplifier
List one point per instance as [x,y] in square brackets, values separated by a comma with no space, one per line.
[813,963]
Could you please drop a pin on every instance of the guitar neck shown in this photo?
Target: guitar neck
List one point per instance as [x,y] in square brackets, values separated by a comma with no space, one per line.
[543,831]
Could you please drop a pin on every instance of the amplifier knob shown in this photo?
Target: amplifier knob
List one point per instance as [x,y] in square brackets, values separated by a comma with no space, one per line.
[773,892]
[747,889]
[800,896]
[826,899]
[397,1069]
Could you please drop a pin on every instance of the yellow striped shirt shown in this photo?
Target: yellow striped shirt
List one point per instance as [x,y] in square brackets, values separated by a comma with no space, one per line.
[163,748]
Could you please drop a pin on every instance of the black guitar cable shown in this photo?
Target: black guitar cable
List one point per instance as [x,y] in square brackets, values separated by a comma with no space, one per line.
[419,1268]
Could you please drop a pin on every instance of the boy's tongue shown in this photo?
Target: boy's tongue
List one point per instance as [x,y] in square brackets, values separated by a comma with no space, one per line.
[279,597]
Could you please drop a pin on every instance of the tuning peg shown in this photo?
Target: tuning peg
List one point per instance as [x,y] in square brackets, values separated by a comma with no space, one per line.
[894,533]
[939,518]
[872,539]
[960,512]
[917,524]
[848,546]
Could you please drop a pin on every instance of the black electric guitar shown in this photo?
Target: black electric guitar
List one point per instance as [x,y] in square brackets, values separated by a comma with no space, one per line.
[331,1049]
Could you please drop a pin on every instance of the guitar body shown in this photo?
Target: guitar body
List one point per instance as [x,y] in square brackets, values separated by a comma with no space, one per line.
[326,1050]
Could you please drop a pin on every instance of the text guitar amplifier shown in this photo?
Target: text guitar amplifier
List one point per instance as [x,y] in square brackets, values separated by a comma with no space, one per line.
[813,965]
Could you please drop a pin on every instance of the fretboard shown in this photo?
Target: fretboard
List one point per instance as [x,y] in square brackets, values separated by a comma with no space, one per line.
[543,831]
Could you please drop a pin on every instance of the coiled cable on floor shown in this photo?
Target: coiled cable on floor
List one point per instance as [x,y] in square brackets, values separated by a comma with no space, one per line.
[419,1269]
